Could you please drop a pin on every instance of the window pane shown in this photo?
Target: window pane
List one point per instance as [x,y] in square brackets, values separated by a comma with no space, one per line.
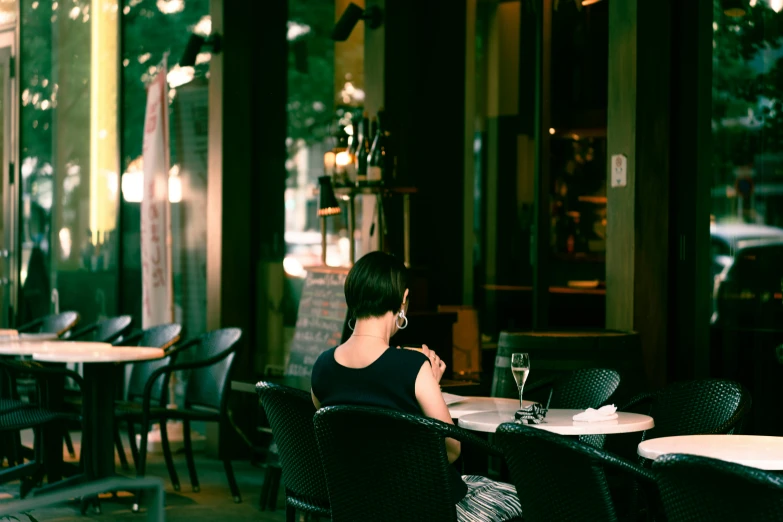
[747,205]
[325,98]
[578,162]
[69,153]
[152,30]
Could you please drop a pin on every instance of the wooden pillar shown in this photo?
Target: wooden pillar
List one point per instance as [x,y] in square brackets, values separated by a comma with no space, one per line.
[424,98]
[246,183]
[637,257]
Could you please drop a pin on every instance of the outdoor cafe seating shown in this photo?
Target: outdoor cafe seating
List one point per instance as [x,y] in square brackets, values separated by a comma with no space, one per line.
[360,463]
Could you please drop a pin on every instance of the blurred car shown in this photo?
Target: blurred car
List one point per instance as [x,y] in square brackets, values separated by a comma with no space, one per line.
[749,291]
[727,239]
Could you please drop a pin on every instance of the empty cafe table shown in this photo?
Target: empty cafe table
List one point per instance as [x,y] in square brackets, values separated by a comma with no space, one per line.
[12,336]
[560,422]
[99,360]
[26,347]
[748,450]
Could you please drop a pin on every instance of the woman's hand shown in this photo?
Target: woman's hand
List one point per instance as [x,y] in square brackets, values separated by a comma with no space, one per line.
[438,366]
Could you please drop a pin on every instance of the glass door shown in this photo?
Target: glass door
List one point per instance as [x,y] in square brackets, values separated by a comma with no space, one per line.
[8,188]
[69,182]
[746,208]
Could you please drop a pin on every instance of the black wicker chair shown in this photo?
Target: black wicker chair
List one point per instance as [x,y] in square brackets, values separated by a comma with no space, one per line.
[32,472]
[701,407]
[699,488]
[106,331]
[206,399]
[129,410]
[383,465]
[563,479]
[58,324]
[290,413]
[586,388]
[578,390]
[36,415]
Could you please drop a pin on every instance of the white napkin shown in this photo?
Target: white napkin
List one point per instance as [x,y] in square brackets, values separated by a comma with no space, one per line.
[604,413]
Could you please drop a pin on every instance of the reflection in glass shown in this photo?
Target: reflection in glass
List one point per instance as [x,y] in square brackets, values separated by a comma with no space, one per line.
[746,214]
[325,96]
[153,28]
[69,167]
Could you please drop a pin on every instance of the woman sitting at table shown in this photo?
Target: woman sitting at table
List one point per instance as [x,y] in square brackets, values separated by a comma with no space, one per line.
[367,371]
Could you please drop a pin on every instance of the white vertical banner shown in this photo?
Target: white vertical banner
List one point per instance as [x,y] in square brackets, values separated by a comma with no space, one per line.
[156,271]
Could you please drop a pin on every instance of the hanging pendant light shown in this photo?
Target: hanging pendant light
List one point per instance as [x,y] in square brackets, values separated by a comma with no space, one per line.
[735,8]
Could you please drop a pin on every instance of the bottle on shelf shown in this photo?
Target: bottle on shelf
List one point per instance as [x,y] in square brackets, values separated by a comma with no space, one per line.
[373,129]
[389,157]
[376,162]
[362,150]
[349,162]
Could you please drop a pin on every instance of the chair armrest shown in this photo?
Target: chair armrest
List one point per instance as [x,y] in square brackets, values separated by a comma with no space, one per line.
[639,473]
[75,334]
[540,383]
[129,341]
[175,350]
[464,436]
[30,326]
[171,368]
[36,369]
[637,400]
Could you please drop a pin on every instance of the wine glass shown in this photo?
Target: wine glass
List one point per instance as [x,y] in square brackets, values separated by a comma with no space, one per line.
[520,367]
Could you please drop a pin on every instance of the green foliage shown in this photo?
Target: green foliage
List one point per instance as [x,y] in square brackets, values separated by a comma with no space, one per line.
[36,66]
[147,35]
[747,78]
[56,48]
[311,92]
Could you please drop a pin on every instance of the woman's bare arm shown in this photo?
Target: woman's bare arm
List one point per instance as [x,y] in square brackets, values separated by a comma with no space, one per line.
[432,405]
[316,402]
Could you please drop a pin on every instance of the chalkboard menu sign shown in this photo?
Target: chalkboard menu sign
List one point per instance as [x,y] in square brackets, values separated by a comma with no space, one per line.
[321,322]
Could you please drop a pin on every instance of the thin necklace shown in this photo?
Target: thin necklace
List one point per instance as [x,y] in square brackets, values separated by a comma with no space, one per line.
[370,335]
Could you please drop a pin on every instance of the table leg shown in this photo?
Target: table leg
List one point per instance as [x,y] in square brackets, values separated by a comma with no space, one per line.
[53,435]
[99,420]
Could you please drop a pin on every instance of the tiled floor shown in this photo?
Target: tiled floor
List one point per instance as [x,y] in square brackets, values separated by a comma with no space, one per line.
[212,503]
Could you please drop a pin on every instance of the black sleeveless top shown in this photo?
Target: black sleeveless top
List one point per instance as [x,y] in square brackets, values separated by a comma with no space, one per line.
[388,382]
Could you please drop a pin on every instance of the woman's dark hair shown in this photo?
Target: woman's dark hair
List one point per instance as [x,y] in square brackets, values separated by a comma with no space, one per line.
[375,285]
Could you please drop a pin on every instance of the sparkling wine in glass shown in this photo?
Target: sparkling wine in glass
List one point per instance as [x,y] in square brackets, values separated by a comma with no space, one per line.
[520,367]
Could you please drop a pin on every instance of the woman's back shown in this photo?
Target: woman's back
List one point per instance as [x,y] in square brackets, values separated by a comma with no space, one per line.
[389,381]
[366,371]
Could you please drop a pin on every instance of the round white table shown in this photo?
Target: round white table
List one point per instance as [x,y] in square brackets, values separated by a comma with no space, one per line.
[561,422]
[90,353]
[472,405]
[749,450]
[12,336]
[99,382]
[27,346]
[99,361]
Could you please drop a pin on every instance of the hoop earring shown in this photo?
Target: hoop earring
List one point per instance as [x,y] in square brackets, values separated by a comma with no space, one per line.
[349,324]
[404,324]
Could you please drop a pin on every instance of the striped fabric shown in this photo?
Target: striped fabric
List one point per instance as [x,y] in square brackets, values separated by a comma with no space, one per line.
[488,501]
